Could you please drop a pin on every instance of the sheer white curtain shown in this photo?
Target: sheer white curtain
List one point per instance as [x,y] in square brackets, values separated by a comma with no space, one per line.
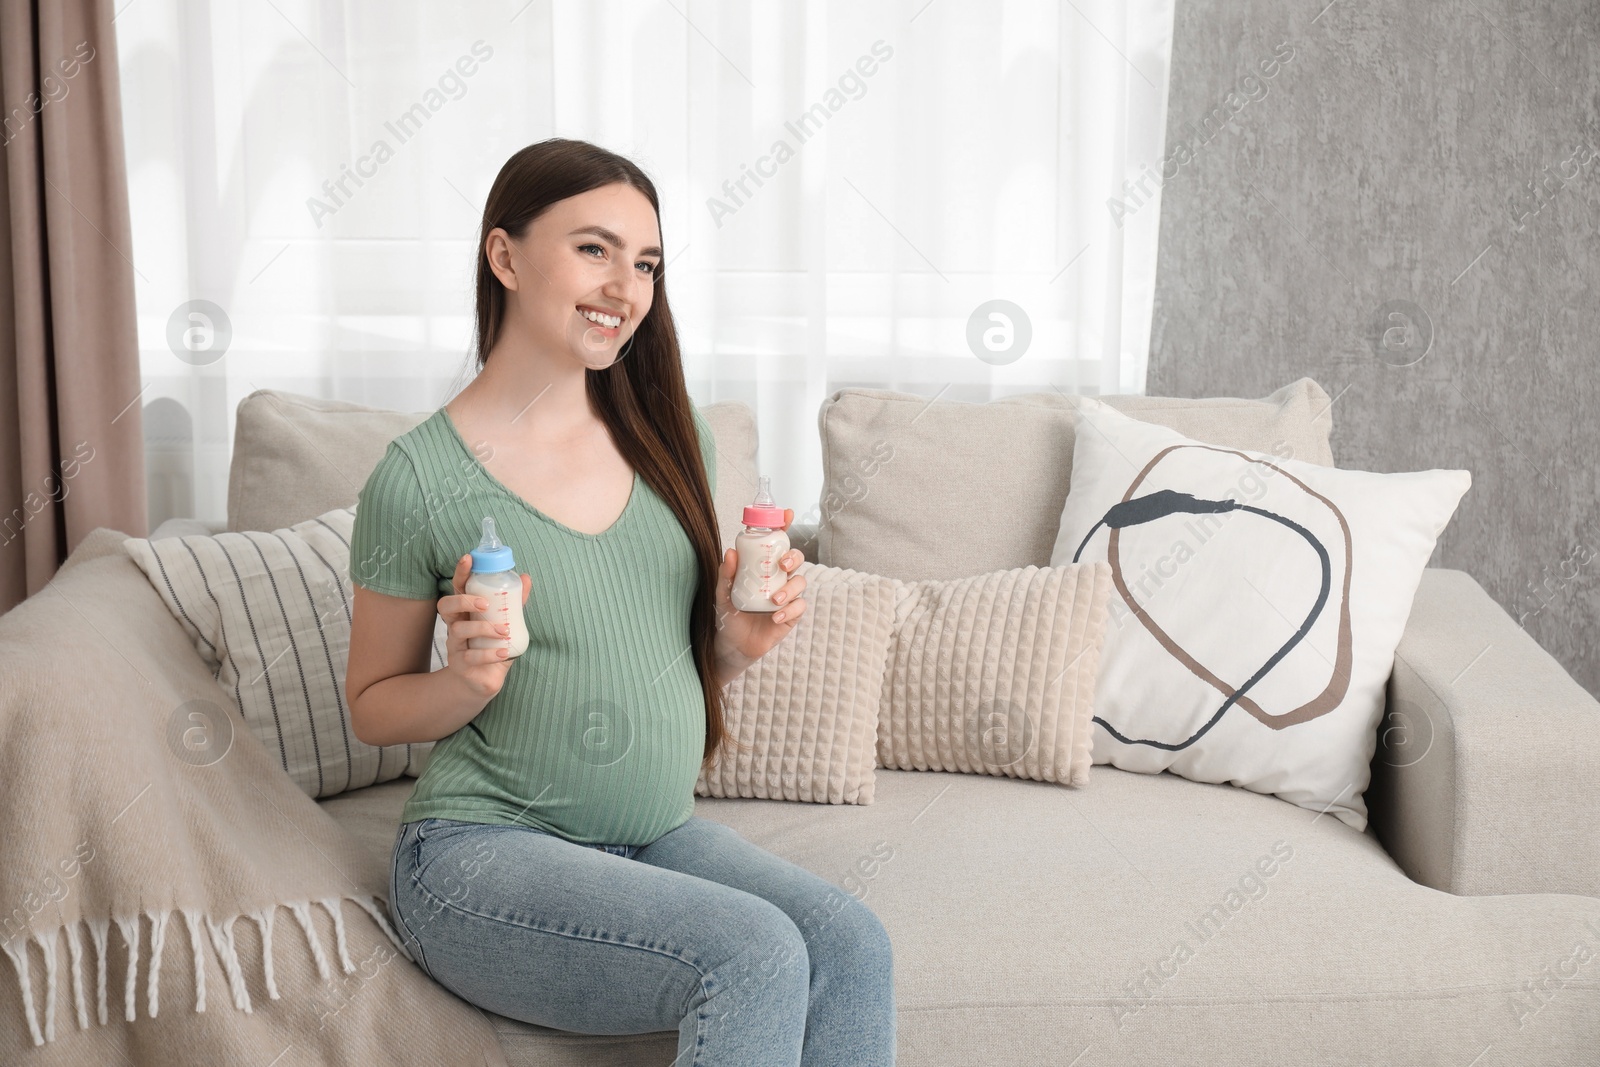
[307,175]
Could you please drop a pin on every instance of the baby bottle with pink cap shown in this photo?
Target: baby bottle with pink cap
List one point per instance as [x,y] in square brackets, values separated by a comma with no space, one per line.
[759,546]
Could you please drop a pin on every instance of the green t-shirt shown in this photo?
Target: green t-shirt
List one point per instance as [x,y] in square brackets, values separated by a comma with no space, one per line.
[598,731]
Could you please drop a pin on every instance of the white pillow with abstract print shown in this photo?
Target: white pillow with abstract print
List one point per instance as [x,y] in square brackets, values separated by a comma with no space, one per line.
[1255,609]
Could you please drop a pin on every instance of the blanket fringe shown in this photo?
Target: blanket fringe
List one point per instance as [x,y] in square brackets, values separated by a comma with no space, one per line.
[158,941]
[100,931]
[263,920]
[192,920]
[331,906]
[222,939]
[302,914]
[370,905]
[202,928]
[75,951]
[130,980]
[50,986]
[19,961]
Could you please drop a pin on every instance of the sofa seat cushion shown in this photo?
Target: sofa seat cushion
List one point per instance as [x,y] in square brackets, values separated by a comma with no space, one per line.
[1032,923]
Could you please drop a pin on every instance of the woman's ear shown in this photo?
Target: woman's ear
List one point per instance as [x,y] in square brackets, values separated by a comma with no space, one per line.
[503,257]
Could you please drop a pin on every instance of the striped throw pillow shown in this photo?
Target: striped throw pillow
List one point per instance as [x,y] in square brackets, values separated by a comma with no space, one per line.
[270,614]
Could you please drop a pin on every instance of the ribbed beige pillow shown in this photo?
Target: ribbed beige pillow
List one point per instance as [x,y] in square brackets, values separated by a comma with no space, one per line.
[995,674]
[808,709]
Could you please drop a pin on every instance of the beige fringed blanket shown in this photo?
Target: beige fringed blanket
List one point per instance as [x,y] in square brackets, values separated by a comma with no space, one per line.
[135,837]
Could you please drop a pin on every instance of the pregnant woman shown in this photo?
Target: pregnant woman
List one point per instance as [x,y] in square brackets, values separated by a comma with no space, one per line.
[549,865]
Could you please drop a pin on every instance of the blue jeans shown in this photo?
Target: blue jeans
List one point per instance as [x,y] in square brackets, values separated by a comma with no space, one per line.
[754,960]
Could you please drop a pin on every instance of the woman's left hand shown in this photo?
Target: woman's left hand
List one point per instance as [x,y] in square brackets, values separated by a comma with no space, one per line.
[752,634]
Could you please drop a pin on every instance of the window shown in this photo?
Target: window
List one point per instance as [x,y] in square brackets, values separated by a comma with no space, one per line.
[940,156]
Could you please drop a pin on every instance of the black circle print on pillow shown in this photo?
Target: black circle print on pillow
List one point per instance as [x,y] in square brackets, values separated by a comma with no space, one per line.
[1134,510]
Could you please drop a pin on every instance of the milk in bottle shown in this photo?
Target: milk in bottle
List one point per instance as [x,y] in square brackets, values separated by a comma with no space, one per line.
[759,546]
[494,577]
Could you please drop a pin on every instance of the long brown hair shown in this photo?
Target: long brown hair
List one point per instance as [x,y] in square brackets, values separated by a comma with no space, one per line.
[642,398]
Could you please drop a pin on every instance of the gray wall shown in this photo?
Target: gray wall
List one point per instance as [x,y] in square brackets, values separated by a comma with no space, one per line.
[1384,174]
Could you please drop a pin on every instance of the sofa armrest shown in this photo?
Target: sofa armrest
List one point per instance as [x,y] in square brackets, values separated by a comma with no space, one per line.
[1487,772]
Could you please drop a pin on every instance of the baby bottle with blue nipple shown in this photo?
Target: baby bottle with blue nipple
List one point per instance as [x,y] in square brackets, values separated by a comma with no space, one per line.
[494,577]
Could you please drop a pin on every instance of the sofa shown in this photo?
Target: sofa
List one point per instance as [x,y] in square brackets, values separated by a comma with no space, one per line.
[1140,919]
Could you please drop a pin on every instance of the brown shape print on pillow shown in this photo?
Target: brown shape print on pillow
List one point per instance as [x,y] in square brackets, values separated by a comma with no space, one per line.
[1134,510]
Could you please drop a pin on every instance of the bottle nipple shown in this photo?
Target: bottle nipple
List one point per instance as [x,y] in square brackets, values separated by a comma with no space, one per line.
[492,554]
[491,540]
[764,513]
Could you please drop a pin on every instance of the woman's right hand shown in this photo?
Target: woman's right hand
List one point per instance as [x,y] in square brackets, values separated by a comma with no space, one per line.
[483,670]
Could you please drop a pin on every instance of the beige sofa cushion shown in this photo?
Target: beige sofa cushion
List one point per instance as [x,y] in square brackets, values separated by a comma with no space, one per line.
[915,489]
[1151,920]
[733,427]
[808,709]
[296,457]
[995,674]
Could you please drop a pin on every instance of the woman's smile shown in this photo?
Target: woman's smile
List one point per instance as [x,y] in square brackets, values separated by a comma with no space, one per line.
[608,323]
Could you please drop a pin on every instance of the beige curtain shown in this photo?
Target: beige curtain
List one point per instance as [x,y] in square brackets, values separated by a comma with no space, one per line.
[71,442]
